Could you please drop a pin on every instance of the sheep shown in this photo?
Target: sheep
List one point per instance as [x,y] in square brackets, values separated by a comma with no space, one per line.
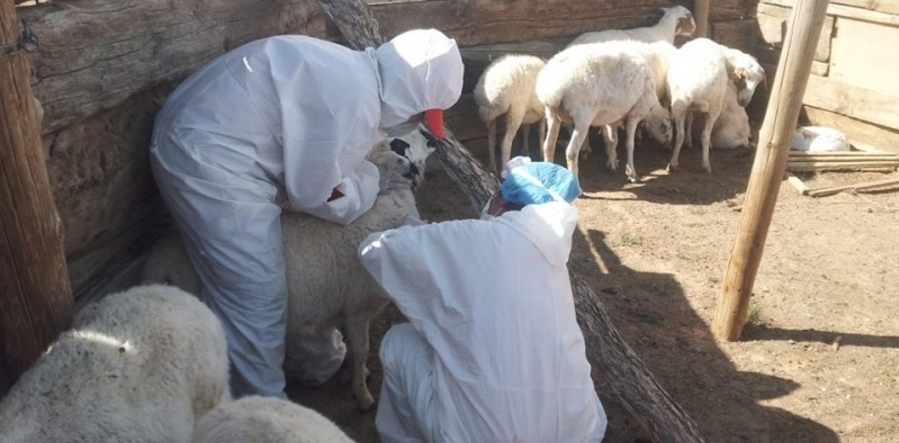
[658,122]
[675,21]
[731,130]
[697,82]
[327,285]
[140,365]
[506,88]
[599,84]
[266,420]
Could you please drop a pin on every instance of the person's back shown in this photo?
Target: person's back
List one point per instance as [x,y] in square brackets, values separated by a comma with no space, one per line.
[492,300]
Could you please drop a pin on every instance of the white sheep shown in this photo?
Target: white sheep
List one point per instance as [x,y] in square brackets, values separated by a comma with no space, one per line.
[266,420]
[141,365]
[506,89]
[327,286]
[598,85]
[675,21]
[658,123]
[732,129]
[697,82]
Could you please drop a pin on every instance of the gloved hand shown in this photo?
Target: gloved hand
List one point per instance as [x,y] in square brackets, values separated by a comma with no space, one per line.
[388,181]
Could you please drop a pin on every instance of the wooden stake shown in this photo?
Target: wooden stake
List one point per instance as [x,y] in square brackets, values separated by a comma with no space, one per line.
[775,139]
[629,377]
[701,17]
[34,284]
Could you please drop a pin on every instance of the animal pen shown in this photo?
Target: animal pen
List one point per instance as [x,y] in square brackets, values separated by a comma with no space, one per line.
[80,207]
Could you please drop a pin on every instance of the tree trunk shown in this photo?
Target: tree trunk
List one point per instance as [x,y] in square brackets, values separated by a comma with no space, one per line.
[653,408]
[34,285]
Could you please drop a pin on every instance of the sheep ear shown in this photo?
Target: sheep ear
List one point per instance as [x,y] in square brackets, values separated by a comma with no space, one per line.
[738,76]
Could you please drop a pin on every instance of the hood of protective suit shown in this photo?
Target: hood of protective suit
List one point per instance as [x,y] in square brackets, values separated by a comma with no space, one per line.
[549,226]
[419,70]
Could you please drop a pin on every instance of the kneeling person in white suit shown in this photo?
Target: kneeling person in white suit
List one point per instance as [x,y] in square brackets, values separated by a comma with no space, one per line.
[492,351]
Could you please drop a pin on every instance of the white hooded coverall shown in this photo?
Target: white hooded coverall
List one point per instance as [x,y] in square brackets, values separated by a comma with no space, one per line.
[493,352]
[283,118]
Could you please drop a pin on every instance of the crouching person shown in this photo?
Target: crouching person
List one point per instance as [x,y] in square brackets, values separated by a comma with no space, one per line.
[492,351]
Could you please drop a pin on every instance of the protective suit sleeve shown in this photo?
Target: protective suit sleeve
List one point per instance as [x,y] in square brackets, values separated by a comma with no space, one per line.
[358,190]
[427,271]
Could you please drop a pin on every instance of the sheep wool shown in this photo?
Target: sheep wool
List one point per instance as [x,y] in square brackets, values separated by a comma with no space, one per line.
[266,420]
[137,366]
[506,89]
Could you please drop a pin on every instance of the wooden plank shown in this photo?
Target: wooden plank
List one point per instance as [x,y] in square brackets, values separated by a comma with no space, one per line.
[881,12]
[92,57]
[853,101]
[797,183]
[490,21]
[772,29]
[857,131]
[739,34]
[887,6]
[821,192]
[857,60]
[34,284]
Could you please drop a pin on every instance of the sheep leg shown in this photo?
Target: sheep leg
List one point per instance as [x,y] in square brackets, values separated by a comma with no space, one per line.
[679,115]
[553,123]
[631,129]
[541,131]
[688,129]
[710,120]
[358,341]
[610,139]
[585,147]
[513,123]
[525,142]
[578,135]
[491,144]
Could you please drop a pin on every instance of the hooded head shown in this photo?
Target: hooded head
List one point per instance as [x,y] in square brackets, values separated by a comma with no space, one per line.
[529,183]
[421,72]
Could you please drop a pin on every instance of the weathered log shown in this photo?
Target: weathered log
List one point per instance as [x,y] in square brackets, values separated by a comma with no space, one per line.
[34,285]
[632,381]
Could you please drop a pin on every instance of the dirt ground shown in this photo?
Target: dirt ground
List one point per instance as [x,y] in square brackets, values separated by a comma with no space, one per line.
[818,360]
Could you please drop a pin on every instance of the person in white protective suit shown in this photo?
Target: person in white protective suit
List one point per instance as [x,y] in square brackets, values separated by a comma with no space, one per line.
[492,352]
[286,120]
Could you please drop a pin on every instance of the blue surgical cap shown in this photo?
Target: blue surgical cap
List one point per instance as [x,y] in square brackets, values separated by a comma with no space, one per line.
[539,182]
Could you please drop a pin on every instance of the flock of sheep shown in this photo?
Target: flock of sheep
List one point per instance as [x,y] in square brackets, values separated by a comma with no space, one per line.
[623,79]
[150,363]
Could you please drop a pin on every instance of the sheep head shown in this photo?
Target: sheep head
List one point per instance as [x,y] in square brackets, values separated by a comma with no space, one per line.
[746,74]
[685,26]
[403,156]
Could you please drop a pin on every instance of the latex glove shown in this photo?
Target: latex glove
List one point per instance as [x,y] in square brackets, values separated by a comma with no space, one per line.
[391,182]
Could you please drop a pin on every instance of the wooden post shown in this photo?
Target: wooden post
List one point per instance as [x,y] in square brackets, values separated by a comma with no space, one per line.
[701,17]
[775,139]
[629,377]
[35,295]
